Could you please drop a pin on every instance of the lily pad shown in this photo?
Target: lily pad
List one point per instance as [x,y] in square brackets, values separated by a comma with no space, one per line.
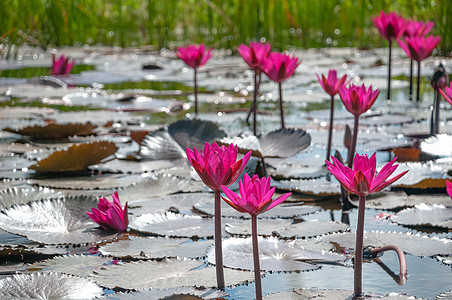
[195,133]
[54,131]
[79,265]
[415,244]
[438,145]
[163,294]
[421,175]
[169,273]
[307,294]
[425,215]
[48,286]
[76,157]
[153,247]
[135,167]
[160,144]
[309,187]
[55,221]
[274,255]
[22,195]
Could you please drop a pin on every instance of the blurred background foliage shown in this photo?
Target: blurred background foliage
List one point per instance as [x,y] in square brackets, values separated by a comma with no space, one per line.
[218,23]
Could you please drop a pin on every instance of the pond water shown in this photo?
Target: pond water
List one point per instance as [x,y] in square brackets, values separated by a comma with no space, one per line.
[110,89]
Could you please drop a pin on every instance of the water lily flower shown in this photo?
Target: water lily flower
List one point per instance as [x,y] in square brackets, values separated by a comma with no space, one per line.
[254,55]
[357,100]
[217,167]
[195,57]
[61,65]
[391,26]
[331,85]
[110,215]
[419,48]
[449,187]
[362,180]
[279,67]
[447,93]
[255,198]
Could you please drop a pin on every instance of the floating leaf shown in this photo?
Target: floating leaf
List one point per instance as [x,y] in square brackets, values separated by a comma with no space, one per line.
[55,221]
[274,255]
[421,175]
[48,286]
[80,265]
[22,195]
[159,144]
[195,133]
[309,187]
[54,131]
[152,247]
[135,167]
[76,157]
[307,294]
[162,294]
[415,244]
[169,273]
[438,145]
[425,215]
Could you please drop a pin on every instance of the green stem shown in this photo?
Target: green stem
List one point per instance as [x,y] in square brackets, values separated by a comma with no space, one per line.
[359,247]
[218,242]
[257,268]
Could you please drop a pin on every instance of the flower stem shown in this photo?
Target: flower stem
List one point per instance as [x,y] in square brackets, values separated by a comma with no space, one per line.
[411,80]
[418,88]
[218,242]
[437,102]
[257,268]
[359,247]
[281,110]
[400,254]
[195,75]
[330,131]
[389,70]
[353,146]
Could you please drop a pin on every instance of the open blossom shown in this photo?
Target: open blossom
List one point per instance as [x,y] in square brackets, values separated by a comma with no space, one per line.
[255,196]
[331,84]
[417,28]
[449,187]
[447,93]
[217,166]
[255,54]
[61,65]
[357,99]
[194,56]
[419,48]
[110,215]
[362,180]
[279,67]
[390,26]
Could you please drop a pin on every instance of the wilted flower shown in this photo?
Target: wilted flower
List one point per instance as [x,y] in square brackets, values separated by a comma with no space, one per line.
[194,56]
[110,215]
[331,84]
[390,26]
[357,99]
[255,196]
[419,48]
[61,65]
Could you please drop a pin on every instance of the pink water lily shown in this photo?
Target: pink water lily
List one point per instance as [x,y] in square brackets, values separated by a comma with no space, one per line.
[61,65]
[361,180]
[417,28]
[449,187]
[419,48]
[255,54]
[447,93]
[255,196]
[331,84]
[110,215]
[390,25]
[357,99]
[194,56]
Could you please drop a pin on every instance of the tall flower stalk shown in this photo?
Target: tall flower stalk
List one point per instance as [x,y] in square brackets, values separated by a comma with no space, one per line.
[362,180]
[279,67]
[331,85]
[217,167]
[391,26]
[254,55]
[357,100]
[255,198]
[195,57]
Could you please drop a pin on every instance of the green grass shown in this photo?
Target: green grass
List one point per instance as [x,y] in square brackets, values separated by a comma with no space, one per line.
[64,108]
[218,23]
[40,71]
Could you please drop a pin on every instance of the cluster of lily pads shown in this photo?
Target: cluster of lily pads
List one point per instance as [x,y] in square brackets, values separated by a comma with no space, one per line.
[66,239]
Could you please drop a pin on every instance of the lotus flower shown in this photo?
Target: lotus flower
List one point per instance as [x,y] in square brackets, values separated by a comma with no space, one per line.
[61,65]
[449,187]
[110,215]
[361,180]
[331,84]
[357,99]
[255,54]
[255,198]
[419,48]
[447,93]
[194,56]
[217,167]
[417,28]
[390,26]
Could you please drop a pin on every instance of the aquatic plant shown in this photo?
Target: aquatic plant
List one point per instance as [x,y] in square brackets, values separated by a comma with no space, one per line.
[254,55]
[110,215]
[195,57]
[255,198]
[61,65]
[362,180]
[415,28]
[331,85]
[391,26]
[279,67]
[217,167]
[357,100]
[447,93]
